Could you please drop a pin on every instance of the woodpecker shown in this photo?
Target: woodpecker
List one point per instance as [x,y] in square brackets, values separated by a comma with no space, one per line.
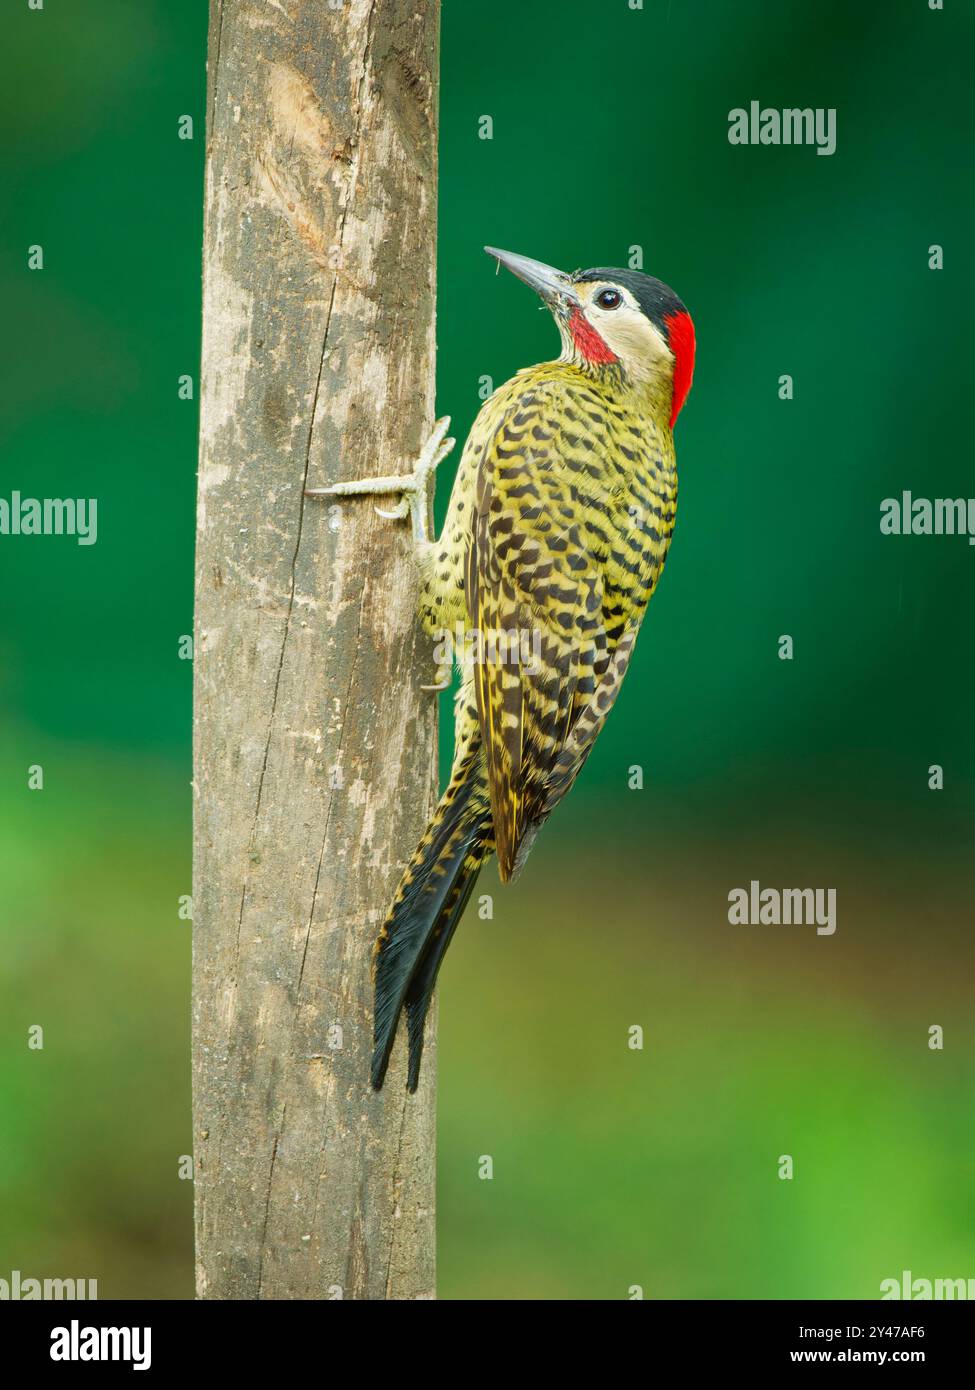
[558,527]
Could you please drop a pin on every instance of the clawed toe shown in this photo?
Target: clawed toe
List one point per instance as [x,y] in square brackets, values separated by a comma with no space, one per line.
[414,488]
[397,513]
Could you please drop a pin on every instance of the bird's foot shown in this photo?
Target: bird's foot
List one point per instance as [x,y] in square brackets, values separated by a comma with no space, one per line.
[414,488]
[442,681]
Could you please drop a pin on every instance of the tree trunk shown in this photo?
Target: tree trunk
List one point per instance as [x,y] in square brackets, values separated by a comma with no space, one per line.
[314,748]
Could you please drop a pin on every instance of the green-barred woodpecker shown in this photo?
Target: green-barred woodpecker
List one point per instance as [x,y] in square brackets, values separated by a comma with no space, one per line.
[558,526]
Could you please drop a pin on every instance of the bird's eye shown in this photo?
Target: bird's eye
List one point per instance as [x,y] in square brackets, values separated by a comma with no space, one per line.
[609,299]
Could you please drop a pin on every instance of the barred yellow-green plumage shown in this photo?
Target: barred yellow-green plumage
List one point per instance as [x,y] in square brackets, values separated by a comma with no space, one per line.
[556,534]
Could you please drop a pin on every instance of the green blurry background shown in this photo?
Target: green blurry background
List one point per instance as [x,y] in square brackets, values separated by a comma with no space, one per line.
[612,1167]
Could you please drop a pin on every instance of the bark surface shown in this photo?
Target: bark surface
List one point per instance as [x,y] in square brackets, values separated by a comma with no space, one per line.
[314,748]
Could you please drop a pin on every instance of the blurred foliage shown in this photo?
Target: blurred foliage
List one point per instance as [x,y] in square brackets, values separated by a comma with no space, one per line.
[612,1167]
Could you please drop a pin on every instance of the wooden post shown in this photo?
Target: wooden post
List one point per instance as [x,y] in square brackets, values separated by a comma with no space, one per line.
[314,758]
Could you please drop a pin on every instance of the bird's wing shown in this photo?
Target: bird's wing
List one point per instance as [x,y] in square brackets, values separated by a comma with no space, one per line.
[545,675]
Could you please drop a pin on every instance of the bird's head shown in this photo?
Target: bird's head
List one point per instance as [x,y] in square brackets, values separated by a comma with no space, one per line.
[623,318]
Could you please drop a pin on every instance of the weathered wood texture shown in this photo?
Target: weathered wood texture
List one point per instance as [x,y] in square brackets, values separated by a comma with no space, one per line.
[314,746]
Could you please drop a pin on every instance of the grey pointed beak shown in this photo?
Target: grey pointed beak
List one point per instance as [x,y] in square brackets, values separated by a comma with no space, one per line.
[554,286]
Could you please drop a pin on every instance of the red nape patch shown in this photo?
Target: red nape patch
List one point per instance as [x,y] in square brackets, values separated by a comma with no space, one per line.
[680,331]
[587,340]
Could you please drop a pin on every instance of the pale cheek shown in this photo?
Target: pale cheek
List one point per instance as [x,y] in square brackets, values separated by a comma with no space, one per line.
[637,343]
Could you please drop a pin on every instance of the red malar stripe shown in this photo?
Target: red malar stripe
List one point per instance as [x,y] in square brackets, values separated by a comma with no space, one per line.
[587,340]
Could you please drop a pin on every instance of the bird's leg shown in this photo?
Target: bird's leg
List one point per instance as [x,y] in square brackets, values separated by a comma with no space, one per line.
[415,488]
[415,501]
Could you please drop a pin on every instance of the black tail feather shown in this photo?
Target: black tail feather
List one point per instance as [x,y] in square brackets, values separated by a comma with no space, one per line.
[420,992]
[424,916]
